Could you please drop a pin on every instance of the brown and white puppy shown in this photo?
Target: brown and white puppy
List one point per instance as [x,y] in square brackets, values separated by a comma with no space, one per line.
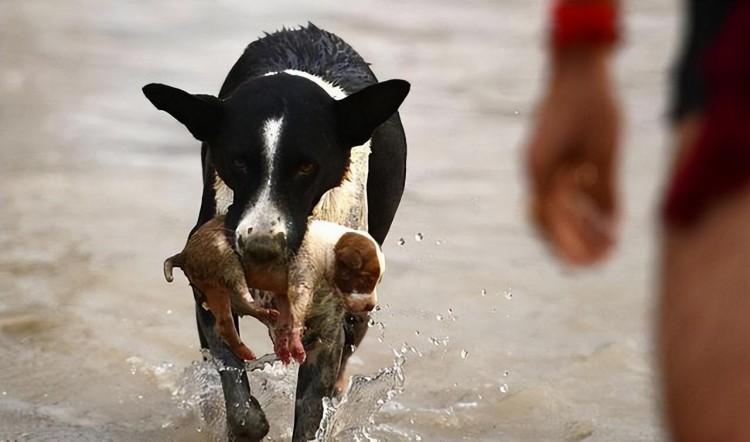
[348,260]
[213,267]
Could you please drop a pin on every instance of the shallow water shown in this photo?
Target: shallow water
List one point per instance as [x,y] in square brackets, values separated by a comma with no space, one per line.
[499,342]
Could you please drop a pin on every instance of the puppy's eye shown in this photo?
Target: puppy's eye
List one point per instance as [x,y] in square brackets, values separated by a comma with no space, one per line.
[306,169]
[240,164]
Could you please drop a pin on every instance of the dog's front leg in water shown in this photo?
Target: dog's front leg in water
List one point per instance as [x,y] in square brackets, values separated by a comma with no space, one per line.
[246,421]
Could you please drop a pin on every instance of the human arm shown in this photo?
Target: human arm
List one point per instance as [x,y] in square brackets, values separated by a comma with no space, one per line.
[572,153]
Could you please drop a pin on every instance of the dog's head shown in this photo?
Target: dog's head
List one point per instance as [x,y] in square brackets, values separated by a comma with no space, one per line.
[358,269]
[279,142]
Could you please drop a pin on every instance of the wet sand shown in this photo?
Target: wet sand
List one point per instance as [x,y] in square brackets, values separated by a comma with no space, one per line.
[97,188]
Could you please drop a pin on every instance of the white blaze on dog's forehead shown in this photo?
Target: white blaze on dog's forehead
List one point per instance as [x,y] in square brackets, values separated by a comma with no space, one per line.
[223,195]
[271,135]
[262,212]
[336,92]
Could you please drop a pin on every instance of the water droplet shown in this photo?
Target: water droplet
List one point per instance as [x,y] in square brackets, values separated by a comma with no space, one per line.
[416,332]
[439,317]
[504,388]
[483,292]
[411,421]
[401,241]
[417,437]
[515,112]
[353,348]
[479,396]
[140,396]
[455,384]
[5,393]
[419,237]
[508,294]
[494,310]
[464,354]
[380,339]
[438,243]
[169,312]
[506,373]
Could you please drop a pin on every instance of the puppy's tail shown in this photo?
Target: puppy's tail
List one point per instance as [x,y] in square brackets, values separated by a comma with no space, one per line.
[169,264]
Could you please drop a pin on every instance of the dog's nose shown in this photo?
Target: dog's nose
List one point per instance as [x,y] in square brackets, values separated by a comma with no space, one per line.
[262,249]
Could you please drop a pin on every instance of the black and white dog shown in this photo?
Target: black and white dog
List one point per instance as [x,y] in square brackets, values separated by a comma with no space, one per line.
[277,137]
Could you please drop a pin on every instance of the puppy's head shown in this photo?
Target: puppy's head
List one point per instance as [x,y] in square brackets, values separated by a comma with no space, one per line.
[358,270]
[279,142]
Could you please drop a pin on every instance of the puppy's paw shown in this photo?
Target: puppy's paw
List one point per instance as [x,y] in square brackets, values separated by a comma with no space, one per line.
[281,348]
[242,351]
[288,346]
[296,349]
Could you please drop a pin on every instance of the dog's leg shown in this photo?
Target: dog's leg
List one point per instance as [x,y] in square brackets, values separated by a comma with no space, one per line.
[355,329]
[246,421]
[324,343]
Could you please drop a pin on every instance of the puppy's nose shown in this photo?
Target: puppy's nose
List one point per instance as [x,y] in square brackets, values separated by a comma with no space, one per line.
[263,249]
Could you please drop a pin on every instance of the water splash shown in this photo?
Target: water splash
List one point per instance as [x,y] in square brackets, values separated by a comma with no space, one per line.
[351,416]
[197,391]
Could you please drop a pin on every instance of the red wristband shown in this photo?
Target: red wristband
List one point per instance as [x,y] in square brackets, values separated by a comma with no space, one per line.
[583,24]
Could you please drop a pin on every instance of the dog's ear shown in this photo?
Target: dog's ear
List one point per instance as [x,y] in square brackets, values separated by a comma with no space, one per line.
[201,114]
[362,112]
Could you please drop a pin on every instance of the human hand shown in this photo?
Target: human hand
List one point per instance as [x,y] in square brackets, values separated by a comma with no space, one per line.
[572,156]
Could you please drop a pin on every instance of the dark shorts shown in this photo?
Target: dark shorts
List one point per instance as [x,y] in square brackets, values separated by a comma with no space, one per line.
[713,79]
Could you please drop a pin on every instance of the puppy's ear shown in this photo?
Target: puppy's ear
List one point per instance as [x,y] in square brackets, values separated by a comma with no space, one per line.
[361,113]
[347,254]
[201,114]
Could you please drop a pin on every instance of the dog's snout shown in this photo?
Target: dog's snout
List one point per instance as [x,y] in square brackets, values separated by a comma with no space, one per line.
[262,249]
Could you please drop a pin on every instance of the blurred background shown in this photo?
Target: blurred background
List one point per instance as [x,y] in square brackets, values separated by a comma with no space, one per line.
[97,187]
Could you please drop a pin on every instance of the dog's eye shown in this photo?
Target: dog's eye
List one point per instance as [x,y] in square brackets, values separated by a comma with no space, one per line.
[240,164]
[306,169]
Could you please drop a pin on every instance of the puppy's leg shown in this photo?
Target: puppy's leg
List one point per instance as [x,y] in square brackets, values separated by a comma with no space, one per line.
[288,336]
[219,303]
[245,418]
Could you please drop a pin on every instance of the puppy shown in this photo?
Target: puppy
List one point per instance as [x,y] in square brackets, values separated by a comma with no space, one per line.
[348,260]
[213,267]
